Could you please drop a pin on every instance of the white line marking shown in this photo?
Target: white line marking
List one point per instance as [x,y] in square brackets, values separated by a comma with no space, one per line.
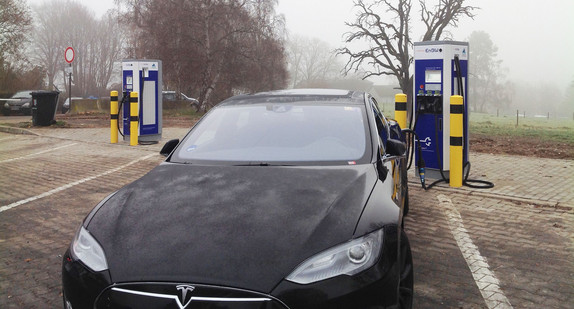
[72,184]
[486,281]
[37,153]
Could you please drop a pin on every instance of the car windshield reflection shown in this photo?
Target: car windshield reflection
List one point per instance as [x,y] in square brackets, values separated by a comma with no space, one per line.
[286,132]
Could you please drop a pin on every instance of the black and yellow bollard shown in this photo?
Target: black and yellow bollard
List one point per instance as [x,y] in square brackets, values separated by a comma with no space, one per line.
[114,117]
[401,109]
[456,140]
[134,119]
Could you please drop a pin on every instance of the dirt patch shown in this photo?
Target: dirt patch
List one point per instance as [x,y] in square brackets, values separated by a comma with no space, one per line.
[523,146]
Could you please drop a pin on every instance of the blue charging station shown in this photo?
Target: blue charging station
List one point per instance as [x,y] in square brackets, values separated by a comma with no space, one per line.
[436,78]
[144,77]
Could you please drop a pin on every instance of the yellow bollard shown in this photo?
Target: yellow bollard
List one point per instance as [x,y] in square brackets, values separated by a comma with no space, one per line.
[134,119]
[401,109]
[114,117]
[456,140]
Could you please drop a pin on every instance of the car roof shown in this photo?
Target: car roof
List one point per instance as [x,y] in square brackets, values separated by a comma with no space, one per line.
[297,95]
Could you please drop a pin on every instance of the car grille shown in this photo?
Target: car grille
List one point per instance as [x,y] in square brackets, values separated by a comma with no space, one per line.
[183,296]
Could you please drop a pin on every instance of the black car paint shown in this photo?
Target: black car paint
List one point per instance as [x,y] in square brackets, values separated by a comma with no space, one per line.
[372,287]
[371,205]
[81,285]
[322,206]
[368,287]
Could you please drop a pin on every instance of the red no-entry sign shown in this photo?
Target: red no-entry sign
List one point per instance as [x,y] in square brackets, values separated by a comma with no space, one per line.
[69,55]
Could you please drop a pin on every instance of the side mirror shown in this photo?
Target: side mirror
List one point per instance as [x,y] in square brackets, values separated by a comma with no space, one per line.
[395,147]
[169,147]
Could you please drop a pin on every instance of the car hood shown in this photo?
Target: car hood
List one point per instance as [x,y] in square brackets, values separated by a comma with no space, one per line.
[245,227]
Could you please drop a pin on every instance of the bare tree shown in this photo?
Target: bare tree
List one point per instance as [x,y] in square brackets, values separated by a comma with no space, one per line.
[485,73]
[108,50]
[447,12]
[219,47]
[97,45]
[47,41]
[385,26]
[15,23]
[78,29]
[311,60]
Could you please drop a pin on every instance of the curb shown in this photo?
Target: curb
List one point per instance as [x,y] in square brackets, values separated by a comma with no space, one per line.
[14,130]
[538,203]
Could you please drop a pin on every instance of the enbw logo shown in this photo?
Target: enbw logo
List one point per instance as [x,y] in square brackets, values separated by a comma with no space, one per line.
[433,50]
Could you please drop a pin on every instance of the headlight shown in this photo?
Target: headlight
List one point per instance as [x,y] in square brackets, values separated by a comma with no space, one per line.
[346,259]
[26,105]
[87,249]
[6,105]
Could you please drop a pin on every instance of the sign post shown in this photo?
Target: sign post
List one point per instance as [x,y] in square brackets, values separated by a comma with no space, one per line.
[69,55]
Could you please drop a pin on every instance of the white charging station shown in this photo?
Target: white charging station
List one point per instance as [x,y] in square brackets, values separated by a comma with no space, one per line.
[435,80]
[144,77]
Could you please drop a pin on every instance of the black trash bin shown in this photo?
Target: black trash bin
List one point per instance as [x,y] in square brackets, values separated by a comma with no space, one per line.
[44,105]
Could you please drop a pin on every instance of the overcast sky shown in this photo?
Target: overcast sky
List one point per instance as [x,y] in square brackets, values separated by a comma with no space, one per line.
[535,38]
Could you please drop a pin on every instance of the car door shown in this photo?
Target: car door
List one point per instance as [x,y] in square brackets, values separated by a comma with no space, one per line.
[395,164]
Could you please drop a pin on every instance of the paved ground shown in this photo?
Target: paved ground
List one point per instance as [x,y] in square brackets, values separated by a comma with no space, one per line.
[511,246]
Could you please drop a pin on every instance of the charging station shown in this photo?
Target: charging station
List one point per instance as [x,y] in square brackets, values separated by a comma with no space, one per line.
[145,78]
[440,67]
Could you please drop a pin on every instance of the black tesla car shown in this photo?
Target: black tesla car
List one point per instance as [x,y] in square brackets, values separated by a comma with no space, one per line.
[284,199]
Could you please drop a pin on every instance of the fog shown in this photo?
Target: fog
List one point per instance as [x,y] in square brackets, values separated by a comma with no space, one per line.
[535,39]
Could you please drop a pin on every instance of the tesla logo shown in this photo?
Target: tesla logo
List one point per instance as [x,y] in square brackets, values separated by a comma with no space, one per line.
[184,295]
[427,141]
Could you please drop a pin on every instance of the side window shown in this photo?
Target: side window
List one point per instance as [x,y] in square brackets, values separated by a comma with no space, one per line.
[382,124]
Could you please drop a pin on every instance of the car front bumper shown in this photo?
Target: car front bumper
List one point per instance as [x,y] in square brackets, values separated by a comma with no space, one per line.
[16,108]
[373,288]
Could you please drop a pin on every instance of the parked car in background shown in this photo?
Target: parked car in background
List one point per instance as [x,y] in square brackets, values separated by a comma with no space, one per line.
[173,96]
[281,200]
[66,105]
[21,102]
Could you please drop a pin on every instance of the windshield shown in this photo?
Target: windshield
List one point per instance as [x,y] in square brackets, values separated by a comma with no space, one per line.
[285,132]
[22,95]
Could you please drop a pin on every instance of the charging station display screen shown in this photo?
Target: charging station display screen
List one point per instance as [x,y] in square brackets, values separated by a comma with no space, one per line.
[433,76]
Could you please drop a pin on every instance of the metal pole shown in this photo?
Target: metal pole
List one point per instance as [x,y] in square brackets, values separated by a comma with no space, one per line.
[70,88]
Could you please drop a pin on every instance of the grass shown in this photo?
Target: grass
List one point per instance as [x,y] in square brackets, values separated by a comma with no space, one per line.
[557,130]
[60,124]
